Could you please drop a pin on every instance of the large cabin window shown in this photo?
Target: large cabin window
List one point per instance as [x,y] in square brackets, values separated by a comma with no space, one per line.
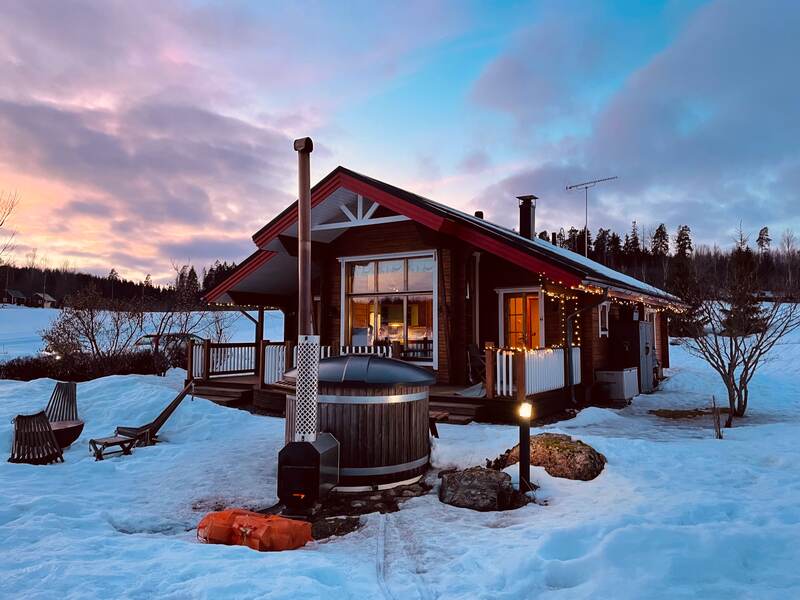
[521,316]
[390,300]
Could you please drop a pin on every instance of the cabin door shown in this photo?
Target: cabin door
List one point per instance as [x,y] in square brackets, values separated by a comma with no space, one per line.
[522,320]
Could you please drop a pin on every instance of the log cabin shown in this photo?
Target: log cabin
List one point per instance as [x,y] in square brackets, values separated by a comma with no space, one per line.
[501,310]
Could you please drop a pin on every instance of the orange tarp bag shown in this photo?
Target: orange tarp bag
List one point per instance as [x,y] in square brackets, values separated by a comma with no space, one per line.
[260,532]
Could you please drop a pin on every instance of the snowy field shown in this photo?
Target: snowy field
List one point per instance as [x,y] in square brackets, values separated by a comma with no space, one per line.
[21,328]
[675,514]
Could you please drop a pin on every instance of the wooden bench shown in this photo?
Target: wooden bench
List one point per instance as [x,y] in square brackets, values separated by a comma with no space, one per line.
[126,438]
[34,442]
[62,412]
[433,417]
[100,446]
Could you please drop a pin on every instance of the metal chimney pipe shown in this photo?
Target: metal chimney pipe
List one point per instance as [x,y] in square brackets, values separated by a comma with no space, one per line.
[305,412]
[527,218]
[304,147]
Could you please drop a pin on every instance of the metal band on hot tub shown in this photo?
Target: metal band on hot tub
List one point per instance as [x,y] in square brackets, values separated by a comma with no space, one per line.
[393,399]
[386,470]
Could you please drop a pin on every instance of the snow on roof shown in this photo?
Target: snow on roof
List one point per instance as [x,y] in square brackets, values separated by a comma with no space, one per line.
[564,256]
[45,296]
[14,293]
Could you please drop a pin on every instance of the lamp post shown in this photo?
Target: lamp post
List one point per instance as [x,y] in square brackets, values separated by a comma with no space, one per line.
[525,410]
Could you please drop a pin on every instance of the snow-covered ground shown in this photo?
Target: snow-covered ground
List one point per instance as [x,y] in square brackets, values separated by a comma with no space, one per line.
[675,514]
[21,328]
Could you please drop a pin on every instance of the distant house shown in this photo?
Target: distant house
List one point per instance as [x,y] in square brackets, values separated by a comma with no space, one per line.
[14,297]
[43,300]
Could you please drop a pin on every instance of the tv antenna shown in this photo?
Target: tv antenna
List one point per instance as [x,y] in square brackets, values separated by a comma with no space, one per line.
[585,187]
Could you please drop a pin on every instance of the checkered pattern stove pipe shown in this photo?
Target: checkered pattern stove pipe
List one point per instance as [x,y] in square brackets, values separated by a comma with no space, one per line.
[305,421]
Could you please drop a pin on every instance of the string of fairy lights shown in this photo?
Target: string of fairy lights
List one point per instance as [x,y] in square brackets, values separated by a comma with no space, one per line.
[568,303]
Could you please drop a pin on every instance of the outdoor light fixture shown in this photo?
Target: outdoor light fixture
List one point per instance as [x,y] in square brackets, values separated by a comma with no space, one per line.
[525,411]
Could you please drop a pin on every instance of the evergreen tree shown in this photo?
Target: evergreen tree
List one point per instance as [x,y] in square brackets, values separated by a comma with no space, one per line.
[113,277]
[614,248]
[572,239]
[763,240]
[659,245]
[683,241]
[582,245]
[561,239]
[601,245]
[543,235]
[192,283]
[744,316]
[635,245]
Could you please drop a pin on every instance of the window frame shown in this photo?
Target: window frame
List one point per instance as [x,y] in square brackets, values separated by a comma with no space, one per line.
[501,310]
[604,307]
[345,295]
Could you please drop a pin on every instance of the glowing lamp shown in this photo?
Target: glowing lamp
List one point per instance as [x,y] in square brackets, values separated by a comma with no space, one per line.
[525,410]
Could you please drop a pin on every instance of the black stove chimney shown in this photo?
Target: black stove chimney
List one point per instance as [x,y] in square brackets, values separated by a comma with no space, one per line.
[527,216]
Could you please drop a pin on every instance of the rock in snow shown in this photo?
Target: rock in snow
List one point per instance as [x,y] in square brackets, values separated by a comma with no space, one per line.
[480,489]
[560,455]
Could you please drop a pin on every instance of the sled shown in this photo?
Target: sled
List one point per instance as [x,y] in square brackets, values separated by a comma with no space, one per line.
[239,527]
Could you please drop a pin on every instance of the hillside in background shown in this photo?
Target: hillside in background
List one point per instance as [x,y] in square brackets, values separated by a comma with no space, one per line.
[61,283]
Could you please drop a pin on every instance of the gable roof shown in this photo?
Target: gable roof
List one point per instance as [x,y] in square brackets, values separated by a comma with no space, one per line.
[44,296]
[557,263]
[15,294]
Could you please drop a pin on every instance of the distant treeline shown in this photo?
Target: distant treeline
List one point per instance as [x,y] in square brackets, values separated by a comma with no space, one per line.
[61,283]
[656,257]
[669,261]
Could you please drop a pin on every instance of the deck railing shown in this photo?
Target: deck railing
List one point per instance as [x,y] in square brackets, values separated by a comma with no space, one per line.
[274,357]
[519,373]
[209,359]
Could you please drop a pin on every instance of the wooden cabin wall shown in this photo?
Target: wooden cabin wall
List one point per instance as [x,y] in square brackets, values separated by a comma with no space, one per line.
[554,315]
[662,339]
[455,316]
[498,273]
[596,350]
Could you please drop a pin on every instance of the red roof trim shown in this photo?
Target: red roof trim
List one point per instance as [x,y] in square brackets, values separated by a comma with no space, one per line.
[248,265]
[514,255]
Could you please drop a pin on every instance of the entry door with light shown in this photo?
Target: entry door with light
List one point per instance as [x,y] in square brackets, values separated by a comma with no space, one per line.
[522,320]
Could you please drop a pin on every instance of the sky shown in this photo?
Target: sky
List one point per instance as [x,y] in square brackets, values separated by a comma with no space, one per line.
[139,135]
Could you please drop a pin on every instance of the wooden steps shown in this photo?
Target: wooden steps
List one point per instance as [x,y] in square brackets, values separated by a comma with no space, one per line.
[224,393]
[459,413]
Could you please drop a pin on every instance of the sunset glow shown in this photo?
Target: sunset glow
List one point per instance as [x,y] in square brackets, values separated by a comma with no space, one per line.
[141,134]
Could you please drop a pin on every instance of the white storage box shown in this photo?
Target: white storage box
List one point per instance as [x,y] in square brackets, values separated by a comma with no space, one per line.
[621,385]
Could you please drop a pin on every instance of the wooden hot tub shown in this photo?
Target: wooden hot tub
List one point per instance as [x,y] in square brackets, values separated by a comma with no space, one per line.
[377,408]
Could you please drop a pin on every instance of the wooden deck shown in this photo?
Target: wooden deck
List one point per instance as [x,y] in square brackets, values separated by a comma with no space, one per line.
[241,391]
